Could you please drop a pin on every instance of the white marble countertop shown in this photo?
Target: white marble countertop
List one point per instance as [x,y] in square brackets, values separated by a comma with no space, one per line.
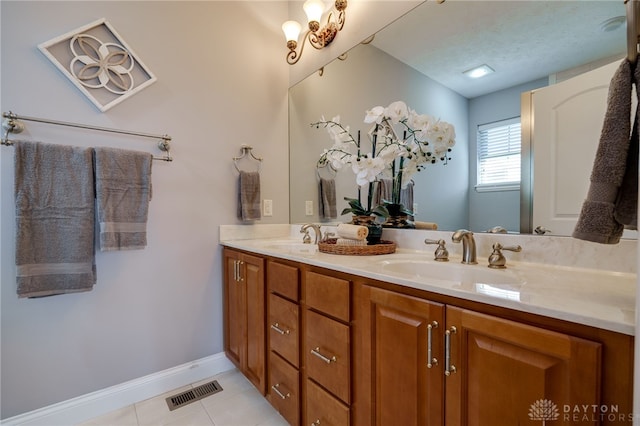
[593,297]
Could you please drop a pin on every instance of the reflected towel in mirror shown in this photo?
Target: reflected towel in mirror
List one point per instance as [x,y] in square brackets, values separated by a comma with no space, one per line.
[327,202]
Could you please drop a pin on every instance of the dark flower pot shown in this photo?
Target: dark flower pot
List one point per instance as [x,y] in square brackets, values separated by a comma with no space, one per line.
[397,218]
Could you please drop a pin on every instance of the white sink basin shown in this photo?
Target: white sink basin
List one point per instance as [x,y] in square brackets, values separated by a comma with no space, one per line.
[448,271]
[292,247]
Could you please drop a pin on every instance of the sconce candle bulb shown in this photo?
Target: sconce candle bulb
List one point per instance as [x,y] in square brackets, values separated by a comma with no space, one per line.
[317,35]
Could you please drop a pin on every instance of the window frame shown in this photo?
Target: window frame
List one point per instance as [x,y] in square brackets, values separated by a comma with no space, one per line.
[499,186]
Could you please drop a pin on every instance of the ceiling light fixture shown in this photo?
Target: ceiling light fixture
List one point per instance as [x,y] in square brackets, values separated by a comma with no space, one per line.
[318,37]
[478,72]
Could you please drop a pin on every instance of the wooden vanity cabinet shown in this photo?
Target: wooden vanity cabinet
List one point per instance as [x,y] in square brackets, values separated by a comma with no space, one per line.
[483,370]
[343,350]
[283,325]
[327,349]
[244,313]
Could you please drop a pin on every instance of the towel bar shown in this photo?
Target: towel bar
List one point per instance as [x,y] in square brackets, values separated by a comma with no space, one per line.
[12,124]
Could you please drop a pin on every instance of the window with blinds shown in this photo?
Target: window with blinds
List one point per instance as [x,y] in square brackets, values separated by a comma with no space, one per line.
[499,156]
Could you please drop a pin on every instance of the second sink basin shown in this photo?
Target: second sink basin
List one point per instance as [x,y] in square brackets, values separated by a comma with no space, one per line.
[457,272]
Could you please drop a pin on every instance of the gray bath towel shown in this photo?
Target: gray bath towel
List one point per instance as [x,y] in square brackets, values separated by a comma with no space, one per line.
[54,201]
[249,196]
[123,192]
[597,221]
[327,190]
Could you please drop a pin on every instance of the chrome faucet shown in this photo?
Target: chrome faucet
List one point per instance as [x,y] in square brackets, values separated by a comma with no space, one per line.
[316,230]
[468,245]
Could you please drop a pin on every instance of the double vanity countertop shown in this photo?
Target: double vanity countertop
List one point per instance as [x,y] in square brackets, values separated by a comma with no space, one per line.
[595,297]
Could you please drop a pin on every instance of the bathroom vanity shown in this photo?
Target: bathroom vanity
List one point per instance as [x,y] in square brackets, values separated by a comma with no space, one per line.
[402,339]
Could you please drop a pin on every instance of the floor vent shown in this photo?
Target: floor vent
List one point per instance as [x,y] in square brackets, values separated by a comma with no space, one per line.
[193,395]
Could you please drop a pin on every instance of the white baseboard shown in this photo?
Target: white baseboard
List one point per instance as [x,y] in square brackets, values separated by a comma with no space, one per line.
[85,407]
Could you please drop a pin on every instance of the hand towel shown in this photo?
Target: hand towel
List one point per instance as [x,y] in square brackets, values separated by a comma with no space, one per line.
[350,242]
[406,197]
[327,202]
[597,222]
[54,202]
[383,192]
[352,232]
[249,196]
[123,192]
[626,209]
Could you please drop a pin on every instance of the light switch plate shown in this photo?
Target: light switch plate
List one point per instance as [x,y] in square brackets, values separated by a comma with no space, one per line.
[267,207]
[308,208]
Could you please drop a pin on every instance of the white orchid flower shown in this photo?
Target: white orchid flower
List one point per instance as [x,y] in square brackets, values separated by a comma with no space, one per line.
[367,168]
[374,115]
[397,111]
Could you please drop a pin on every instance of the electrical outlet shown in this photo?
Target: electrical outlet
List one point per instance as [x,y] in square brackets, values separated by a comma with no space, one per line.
[415,209]
[308,208]
[267,207]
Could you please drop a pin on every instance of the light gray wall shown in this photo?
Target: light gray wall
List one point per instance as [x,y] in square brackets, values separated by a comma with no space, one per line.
[367,78]
[499,208]
[222,82]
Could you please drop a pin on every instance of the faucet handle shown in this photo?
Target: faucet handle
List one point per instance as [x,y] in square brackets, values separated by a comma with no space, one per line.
[306,239]
[497,259]
[441,254]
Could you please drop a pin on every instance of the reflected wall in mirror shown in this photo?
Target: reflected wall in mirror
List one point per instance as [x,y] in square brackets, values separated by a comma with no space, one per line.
[451,36]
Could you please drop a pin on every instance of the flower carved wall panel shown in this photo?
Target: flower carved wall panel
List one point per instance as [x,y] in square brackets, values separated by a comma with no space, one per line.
[99,63]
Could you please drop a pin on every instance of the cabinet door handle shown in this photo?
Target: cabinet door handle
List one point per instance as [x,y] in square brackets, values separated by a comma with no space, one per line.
[317,353]
[277,328]
[277,391]
[448,367]
[431,361]
[240,277]
[316,423]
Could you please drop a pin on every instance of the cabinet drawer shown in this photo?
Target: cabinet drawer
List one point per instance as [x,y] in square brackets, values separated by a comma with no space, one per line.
[283,328]
[328,357]
[283,390]
[327,294]
[283,279]
[324,409]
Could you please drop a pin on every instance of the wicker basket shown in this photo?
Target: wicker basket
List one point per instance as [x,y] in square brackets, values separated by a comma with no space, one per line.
[329,246]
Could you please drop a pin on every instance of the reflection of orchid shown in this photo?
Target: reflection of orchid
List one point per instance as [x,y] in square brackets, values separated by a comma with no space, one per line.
[425,140]
[108,63]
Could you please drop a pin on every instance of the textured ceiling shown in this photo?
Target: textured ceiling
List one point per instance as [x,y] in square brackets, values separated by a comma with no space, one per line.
[521,40]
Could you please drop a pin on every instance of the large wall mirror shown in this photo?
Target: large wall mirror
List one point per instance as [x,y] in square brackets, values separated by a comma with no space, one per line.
[420,59]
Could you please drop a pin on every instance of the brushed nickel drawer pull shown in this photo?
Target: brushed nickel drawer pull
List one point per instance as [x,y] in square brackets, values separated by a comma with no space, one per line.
[277,328]
[317,353]
[277,391]
[430,360]
[316,423]
[240,277]
[448,367]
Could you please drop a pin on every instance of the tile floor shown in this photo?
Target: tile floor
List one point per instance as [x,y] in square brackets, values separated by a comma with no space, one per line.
[239,404]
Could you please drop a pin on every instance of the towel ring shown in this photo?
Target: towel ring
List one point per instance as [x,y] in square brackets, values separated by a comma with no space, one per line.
[247,150]
[332,171]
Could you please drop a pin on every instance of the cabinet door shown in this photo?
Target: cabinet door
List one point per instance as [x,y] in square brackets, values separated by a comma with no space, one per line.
[506,372]
[253,280]
[235,302]
[244,314]
[396,382]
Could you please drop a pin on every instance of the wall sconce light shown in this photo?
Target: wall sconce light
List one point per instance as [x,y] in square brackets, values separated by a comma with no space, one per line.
[318,37]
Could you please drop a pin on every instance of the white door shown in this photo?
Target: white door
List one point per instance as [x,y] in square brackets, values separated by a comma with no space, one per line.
[566,123]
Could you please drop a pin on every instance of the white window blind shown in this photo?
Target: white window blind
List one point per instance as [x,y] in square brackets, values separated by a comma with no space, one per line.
[499,156]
